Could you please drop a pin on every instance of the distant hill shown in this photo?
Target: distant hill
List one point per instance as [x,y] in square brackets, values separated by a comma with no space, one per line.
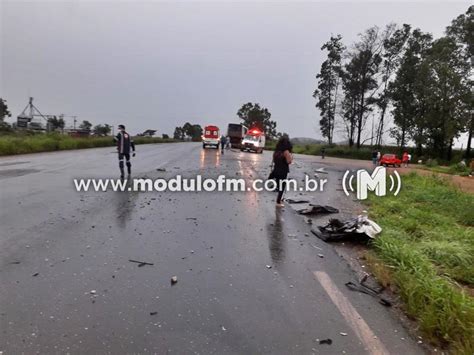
[305,140]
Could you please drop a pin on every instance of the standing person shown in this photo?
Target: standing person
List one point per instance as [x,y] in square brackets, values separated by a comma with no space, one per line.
[375,155]
[409,159]
[227,142]
[282,158]
[124,144]
[379,156]
[405,159]
[323,152]
[223,142]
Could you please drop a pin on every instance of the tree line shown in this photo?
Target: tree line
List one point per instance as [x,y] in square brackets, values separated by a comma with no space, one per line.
[400,75]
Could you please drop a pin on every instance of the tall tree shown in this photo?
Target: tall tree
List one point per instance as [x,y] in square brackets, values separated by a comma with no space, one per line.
[359,82]
[462,31]
[193,131]
[179,133]
[55,123]
[102,130]
[450,106]
[253,115]
[85,125]
[328,85]
[407,92]
[393,41]
[4,112]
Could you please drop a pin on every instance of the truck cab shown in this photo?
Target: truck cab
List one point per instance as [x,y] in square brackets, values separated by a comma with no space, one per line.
[254,141]
[210,137]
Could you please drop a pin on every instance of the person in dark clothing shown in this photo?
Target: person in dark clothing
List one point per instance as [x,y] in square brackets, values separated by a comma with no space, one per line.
[124,145]
[282,158]
[223,142]
[375,158]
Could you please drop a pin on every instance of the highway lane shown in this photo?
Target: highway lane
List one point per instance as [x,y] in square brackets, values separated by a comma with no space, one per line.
[68,285]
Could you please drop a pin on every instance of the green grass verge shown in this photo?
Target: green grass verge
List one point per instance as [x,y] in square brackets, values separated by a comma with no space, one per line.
[427,248]
[365,153]
[454,169]
[12,144]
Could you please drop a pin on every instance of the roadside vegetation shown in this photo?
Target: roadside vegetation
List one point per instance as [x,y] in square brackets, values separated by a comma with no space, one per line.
[365,153]
[453,169]
[426,254]
[21,144]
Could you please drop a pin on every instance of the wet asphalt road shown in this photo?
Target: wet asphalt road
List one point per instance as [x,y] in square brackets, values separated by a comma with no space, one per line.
[67,285]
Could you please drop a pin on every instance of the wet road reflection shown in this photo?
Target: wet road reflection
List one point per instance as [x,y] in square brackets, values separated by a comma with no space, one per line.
[276,238]
[124,206]
[209,157]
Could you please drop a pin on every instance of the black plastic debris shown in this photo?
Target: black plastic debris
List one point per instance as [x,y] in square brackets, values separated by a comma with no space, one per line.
[140,263]
[153,313]
[368,291]
[327,341]
[35,274]
[161,169]
[359,229]
[291,201]
[317,209]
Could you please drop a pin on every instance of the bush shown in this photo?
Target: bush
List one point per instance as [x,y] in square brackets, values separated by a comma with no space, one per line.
[431,163]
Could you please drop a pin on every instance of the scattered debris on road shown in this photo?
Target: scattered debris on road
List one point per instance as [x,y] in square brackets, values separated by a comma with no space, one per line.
[153,313]
[321,255]
[343,334]
[191,218]
[35,274]
[174,280]
[161,169]
[291,201]
[140,263]
[369,291]
[327,341]
[269,266]
[317,209]
[355,229]
[315,247]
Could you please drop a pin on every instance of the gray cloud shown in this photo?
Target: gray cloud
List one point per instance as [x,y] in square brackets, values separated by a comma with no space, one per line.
[159,64]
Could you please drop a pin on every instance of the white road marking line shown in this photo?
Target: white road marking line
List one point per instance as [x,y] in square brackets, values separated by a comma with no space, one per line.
[356,322]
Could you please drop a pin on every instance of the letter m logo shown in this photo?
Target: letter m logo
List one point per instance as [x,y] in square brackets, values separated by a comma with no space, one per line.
[375,182]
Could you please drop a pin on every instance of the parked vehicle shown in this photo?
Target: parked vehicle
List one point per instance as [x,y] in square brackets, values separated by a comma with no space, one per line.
[236,132]
[390,159]
[210,137]
[254,141]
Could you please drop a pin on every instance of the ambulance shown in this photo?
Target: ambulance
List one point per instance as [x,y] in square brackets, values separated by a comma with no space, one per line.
[254,141]
[210,137]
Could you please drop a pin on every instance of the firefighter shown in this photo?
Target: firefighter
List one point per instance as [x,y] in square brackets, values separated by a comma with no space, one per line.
[124,144]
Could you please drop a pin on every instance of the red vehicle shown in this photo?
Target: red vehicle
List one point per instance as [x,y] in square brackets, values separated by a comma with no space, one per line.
[390,159]
[210,137]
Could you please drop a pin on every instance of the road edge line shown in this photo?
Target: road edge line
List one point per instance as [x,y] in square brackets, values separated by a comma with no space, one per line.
[353,318]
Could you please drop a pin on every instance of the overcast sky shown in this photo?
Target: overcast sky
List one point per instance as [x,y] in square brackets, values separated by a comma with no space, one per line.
[156,65]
